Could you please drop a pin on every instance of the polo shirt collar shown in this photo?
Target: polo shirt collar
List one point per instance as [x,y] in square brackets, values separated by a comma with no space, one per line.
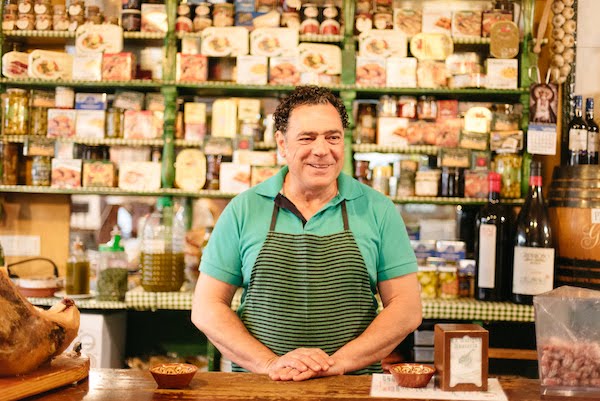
[348,189]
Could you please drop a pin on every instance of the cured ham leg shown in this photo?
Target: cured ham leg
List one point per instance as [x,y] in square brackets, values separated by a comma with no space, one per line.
[30,336]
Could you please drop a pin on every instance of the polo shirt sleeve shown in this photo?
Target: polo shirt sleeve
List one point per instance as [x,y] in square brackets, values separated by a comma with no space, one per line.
[221,257]
[396,256]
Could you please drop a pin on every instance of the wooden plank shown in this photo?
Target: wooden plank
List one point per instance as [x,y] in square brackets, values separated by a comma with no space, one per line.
[62,371]
[510,353]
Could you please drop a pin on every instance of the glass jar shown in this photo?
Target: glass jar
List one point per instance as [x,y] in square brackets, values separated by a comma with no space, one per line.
[447,282]
[115,123]
[466,278]
[10,157]
[427,182]
[426,108]
[15,112]
[428,278]
[508,165]
[38,123]
[387,106]
[78,271]
[213,165]
[112,270]
[41,171]
[162,249]
[366,123]
[381,179]
[504,118]
[362,172]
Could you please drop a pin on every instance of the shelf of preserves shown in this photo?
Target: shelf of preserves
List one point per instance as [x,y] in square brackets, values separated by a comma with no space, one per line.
[114,191]
[439,200]
[434,91]
[71,34]
[321,38]
[459,309]
[88,141]
[414,149]
[134,83]
[265,146]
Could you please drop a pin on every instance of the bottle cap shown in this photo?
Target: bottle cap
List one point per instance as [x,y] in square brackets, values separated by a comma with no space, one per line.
[114,245]
[163,201]
[535,168]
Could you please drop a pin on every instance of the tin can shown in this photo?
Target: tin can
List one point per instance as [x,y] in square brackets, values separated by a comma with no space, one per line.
[309,16]
[363,23]
[131,20]
[43,22]
[223,14]
[42,7]
[15,114]
[40,171]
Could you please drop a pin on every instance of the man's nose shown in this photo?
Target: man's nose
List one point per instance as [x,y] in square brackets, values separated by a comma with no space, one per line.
[320,145]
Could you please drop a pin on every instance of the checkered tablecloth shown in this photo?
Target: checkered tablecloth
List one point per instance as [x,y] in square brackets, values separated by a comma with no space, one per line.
[460,309]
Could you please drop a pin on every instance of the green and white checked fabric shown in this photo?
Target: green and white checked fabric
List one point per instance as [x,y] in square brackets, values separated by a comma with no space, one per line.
[442,309]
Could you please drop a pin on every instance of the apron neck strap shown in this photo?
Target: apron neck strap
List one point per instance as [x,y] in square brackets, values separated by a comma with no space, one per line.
[276,211]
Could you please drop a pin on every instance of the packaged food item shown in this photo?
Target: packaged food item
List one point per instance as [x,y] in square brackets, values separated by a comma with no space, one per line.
[383,18]
[40,171]
[262,173]
[61,123]
[224,118]
[423,249]
[505,117]
[90,123]
[453,182]
[98,173]
[49,65]
[428,279]
[118,66]
[466,278]
[431,46]
[131,20]
[504,40]
[191,68]
[448,282]
[437,20]
[431,74]
[234,178]
[451,251]
[112,271]
[139,176]
[15,112]
[473,140]
[225,41]
[194,120]
[251,70]
[490,17]
[15,65]
[9,153]
[511,141]
[370,71]
[363,22]
[382,43]
[190,170]
[427,182]
[463,63]
[273,42]
[427,108]
[408,21]
[401,72]
[478,119]
[129,100]
[141,125]
[466,24]
[154,18]
[392,131]
[320,58]
[284,70]
[502,73]
[407,106]
[508,165]
[89,67]
[222,14]
[91,38]
[66,173]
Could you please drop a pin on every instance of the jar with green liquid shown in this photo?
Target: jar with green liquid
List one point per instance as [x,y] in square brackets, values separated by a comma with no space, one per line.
[112,270]
[78,270]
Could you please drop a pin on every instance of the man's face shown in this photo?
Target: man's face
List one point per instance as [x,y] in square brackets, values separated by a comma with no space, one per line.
[313,146]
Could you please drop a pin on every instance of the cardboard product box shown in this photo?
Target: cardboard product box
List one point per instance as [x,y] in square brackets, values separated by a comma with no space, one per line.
[191,68]
[476,184]
[401,72]
[370,71]
[139,176]
[140,125]
[190,170]
[231,41]
[194,121]
[262,173]
[251,70]
[255,157]
[432,74]
[154,18]
[502,73]
[284,70]
[61,123]
[118,66]
[273,42]
[129,100]
[392,131]
[89,67]
[383,43]
[90,123]
[437,20]
[234,178]
[461,357]
[466,24]
[66,173]
[98,173]
[90,101]
[408,21]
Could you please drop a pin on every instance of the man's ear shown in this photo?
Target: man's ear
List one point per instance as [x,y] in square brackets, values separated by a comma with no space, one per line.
[281,145]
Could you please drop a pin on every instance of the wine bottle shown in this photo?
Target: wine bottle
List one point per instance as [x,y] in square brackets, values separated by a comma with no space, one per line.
[577,153]
[592,132]
[533,262]
[493,246]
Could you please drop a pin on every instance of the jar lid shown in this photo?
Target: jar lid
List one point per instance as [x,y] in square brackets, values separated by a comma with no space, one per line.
[133,12]
[447,269]
[430,268]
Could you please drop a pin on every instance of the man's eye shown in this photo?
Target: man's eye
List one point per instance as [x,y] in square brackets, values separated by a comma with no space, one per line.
[334,138]
[305,139]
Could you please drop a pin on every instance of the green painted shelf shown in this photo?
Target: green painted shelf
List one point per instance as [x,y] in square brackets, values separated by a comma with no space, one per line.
[413,149]
[440,200]
[134,83]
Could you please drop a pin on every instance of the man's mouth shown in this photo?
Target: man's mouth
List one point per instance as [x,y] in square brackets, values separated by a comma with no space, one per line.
[319,166]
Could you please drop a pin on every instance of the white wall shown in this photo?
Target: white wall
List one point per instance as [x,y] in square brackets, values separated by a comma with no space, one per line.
[587,72]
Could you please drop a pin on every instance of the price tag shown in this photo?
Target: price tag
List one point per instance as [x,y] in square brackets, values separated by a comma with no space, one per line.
[541,139]
[595,216]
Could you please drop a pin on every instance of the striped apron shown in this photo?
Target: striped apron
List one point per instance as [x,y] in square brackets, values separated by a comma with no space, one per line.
[309,291]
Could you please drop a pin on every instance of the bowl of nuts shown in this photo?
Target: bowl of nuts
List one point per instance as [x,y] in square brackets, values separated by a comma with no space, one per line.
[173,375]
[412,374]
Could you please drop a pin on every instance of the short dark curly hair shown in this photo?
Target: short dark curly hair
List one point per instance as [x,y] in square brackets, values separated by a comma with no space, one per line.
[307,95]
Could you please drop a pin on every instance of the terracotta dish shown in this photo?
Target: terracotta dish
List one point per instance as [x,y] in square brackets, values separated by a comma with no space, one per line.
[412,374]
[173,375]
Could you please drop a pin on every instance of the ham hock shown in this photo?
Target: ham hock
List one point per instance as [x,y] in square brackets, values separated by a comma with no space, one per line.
[29,336]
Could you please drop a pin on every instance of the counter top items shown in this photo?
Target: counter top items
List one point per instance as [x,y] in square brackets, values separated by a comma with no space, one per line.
[461,357]
[567,337]
[412,375]
[130,385]
[173,375]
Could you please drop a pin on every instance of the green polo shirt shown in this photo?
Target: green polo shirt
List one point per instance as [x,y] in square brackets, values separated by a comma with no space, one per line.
[242,228]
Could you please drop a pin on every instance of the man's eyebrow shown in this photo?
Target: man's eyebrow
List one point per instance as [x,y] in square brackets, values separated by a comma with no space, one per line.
[329,132]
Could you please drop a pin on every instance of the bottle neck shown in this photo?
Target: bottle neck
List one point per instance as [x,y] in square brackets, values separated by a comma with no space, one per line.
[578,112]
[535,186]
[589,113]
[494,197]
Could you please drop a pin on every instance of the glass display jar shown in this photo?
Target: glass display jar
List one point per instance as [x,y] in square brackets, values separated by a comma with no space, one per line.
[41,171]
[112,270]
[10,157]
[38,123]
[78,270]
[428,278]
[366,123]
[508,165]
[448,282]
[505,118]
[15,112]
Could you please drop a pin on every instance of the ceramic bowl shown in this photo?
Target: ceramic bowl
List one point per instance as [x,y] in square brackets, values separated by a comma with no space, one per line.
[412,374]
[173,375]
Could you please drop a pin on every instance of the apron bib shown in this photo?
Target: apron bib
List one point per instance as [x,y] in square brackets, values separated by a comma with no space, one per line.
[310,291]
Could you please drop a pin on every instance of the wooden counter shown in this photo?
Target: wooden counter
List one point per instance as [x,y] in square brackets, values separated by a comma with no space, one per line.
[130,385]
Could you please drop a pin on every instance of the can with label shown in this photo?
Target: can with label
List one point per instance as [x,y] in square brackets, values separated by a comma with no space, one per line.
[363,23]
[223,14]
[202,16]
[309,15]
[383,19]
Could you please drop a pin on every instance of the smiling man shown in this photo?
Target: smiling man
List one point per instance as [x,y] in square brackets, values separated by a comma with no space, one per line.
[311,247]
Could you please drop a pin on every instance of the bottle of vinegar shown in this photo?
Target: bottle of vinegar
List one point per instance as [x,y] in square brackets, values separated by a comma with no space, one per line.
[533,262]
[592,132]
[578,134]
[493,246]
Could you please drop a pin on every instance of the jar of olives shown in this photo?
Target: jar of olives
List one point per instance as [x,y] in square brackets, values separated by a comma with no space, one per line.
[448,282]
[428,278]
[15,112]
[40,171]
[508,165]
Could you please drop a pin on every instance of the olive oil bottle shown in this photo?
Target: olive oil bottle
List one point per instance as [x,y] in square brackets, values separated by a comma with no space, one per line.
[78,270]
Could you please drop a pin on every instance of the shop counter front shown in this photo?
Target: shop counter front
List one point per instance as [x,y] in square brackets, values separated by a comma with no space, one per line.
[134,385]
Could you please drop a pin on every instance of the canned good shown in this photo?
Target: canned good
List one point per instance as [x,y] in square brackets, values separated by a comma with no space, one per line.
[40,171]
[15,114]
[428,279]
[43,22]
[115,122]
[447,282]
[131,20]
[426,108]
[223,14]
[38,123]
[10,157]
[508,165]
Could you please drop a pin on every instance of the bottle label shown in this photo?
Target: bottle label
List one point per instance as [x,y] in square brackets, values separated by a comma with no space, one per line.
[592,141]
[487,256]
[153,246]
[533,270]
[535,181]
[577,139]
